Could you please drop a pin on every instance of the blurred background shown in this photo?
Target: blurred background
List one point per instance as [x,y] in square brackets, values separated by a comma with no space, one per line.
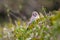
[21,11]
[23,8]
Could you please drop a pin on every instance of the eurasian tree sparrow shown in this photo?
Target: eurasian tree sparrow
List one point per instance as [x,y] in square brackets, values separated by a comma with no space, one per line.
[34,17]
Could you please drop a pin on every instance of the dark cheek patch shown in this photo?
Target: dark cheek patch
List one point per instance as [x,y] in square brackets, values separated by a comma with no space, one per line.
[34,15]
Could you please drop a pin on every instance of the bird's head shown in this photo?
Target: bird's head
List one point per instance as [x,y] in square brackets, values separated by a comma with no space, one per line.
[35,14]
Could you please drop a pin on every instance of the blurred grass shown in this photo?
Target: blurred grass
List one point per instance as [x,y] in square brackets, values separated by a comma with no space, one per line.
[45,28]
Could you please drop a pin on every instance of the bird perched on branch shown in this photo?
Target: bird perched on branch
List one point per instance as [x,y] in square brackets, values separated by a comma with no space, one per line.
[34,17]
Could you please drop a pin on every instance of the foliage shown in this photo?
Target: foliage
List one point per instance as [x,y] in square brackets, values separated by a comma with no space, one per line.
[45,28]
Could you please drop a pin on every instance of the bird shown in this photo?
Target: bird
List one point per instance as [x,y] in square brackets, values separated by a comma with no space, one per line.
[34,17]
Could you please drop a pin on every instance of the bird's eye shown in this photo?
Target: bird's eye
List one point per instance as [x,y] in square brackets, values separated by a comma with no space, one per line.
[34,14]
